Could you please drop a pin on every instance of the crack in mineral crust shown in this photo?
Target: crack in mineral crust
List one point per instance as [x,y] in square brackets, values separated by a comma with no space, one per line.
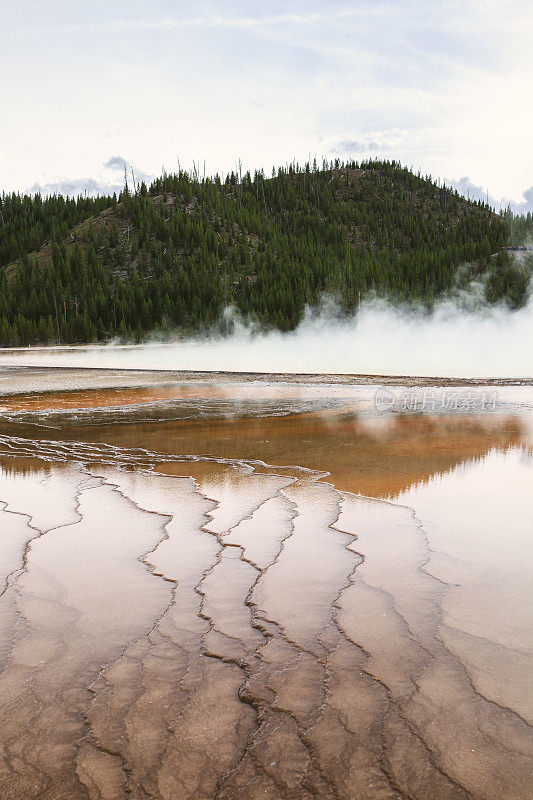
[227,693]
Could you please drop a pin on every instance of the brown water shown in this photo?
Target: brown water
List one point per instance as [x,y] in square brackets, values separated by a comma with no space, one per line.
[310,605]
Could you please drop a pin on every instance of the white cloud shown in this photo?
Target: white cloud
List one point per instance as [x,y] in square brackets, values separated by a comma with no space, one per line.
[472,191]
[72,187]
[440,86]
[389,142]
[221,21]
[119,164]
[103,184]
[116,163]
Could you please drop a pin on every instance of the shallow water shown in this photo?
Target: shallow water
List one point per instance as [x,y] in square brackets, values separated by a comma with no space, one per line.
[325,603]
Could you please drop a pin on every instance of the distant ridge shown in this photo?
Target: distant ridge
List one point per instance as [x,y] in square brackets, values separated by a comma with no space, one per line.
[174,255]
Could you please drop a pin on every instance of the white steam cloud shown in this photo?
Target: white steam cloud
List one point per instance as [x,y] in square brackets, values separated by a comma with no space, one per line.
[381,340]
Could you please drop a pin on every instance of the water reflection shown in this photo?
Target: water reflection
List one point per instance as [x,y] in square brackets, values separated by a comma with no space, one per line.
[378,457]
[350,595]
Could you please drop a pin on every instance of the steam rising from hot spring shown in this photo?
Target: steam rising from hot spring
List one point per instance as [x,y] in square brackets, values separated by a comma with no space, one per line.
[380,340]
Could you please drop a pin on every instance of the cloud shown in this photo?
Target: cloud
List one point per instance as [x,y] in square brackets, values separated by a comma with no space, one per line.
[526,205]
[473,191]
[249,101]
[72,187]
[528,194]
[215,21]
[332,76]
[357,146]
[389,140]
[115,162]
[119,164]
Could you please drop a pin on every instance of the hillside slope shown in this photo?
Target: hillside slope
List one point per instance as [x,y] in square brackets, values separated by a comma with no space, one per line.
[173,255]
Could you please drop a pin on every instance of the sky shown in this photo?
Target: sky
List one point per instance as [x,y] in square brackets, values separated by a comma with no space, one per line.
[443,86]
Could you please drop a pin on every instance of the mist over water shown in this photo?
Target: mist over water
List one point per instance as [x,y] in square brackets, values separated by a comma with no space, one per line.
[451,341]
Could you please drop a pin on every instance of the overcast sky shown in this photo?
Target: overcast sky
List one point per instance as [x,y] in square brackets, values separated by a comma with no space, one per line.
[442,85]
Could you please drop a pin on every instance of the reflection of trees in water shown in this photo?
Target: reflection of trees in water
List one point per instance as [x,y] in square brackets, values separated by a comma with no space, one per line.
[276,640]
[377,457]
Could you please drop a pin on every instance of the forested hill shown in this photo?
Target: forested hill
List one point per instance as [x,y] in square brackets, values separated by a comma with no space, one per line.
[173,255]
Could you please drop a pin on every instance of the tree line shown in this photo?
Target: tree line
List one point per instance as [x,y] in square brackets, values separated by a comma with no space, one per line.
[172,255]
